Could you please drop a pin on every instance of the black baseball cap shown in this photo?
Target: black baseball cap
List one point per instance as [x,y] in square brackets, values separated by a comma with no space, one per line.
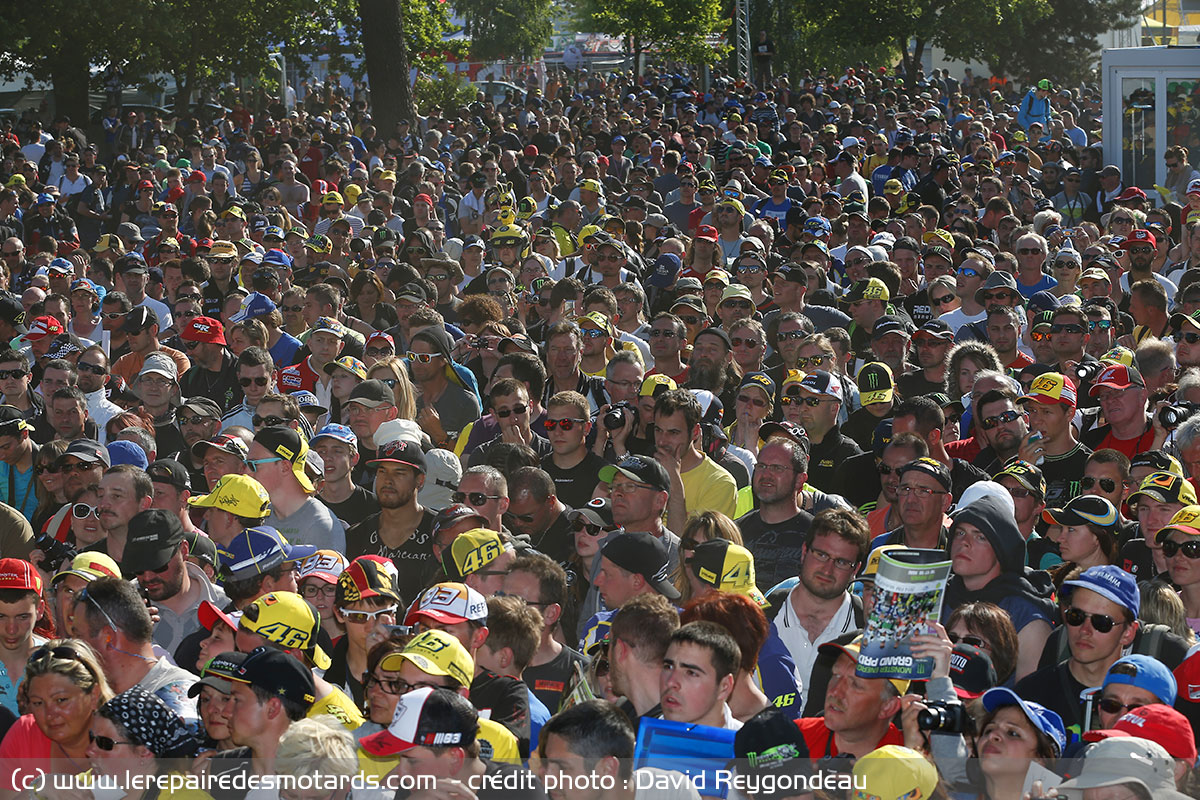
[643,554]
[279,674]
[931,467]
[372,394]
[87,450]
[140,318]
[170,472]
[12,311]
[771,744]
[401,451]
[789,430]
[598,511]
[154,536]
[971,671]
[642,469]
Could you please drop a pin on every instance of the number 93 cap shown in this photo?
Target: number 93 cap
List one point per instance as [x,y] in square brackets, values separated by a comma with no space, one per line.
[472,551]
[449,604]
[727,567]
[286,619]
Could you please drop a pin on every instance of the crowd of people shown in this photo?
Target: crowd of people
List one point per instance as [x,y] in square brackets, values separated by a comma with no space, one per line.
[533,439]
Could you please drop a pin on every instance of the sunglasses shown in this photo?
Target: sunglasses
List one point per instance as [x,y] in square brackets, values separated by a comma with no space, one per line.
[80,467]
[83,511]
[378,352]
[1122,221]
[1029,251]
[752,344]
[270,421]
[1189,549]
[566,423]
[945,299]
[1101,622]
[691,320]
[1188,336]
[1100,324]
[421,358]
[1000,419]
[740,305]
[505,413]
[592,333]
[970,640]
[753,400]
[815,361]
[474,498]
[968,272]
[12,373]
[195,419]
[292,309]
[1106,484]
[1110,706]
[1069,328]
[1039,336]
[259,381]
[369,616]
[105,743]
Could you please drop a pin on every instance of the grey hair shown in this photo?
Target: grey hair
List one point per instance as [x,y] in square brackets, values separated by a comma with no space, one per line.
[1189,380]
[1187,434]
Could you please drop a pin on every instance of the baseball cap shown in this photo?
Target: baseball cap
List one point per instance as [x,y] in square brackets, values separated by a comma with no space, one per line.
[870,289]
[87,450]
[759,380]
[736,291]
[154,536]
[340,433]
[471,551]
[160,364]
[17,573]
[139,318]
[125,452]
[934,329]
[1081,510]
[329,325]
[1144,672]
[771,744]
[1051,388]
[597,511]
[209,614]
[454,513]
[170,472]
[43,326]
[1166,487]
[277,673]
[437,653]
[1186,521]
[289,445]
[1156,722]
[401,451]
[642,469]
[240,495]
[426,717]
[823,383]
[89,566]
[204,329]
[852,649]
[448,603]
[727,567]
[258,550]
[931,467]
[1117,376]
[1158,461]
[642,554]
[367,576]
[889,324]
[372,394]
[350,364]
[222,441]
[255,304]
[286,618]
[871,566]
[892,772]
[875,383]
[218,672]
[325,565]
[971,671]
[1042,718]
[1112,583]
[1126,759]
[1026,474]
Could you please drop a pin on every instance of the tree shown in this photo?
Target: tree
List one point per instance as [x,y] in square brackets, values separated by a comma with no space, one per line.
[1058,40]
[506,29]
[682,30]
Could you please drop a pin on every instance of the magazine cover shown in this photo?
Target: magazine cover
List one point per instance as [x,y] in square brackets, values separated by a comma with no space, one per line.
[908,599]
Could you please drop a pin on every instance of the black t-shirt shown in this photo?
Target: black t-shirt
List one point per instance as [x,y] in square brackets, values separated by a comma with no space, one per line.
[414,559]
[1058,690]
[548,681]
[221,386]
[918,307]
[354,509]
[826,456]
[508,700]
[915,384]
[861,427]
[1063,474]
[776,546]
[574,486]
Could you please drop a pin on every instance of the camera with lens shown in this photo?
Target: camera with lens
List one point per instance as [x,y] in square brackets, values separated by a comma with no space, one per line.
[56,552]
[620,413]
[942,717]
[1173,416]
[1088,370]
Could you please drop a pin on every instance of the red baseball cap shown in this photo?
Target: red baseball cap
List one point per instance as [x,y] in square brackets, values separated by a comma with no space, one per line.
[380,336]
[1141,235]
[1157,722]
[423,198]
[144,185]
[1132,193]
[531,151]
[17,573]
[43,327]
[1117,376]
[204,329]
[707,232]
[195,176]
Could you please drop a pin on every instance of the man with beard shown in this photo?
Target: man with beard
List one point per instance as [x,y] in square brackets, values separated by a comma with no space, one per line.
[1002,426]
[1004,333]
[640,633]
[157,557]
[820,401]
[819,608]
[403,528]
[1142,246]
[711,366]
[777,528]
[933,341]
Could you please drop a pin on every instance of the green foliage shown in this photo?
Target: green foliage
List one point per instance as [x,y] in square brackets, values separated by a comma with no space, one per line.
[506,29]
[1058,40]
[446,90]
[684,30]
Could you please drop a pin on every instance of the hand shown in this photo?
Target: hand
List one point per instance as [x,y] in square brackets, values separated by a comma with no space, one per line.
[936,645]
[911,706]
[431,422]
[515,434]
[621,434]
[1031,451]
[670,457]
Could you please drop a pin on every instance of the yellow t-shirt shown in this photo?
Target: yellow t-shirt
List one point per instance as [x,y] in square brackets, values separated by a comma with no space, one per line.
[709,487]
[340,707]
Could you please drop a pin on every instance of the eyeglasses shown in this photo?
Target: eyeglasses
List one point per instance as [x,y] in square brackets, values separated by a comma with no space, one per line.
[1101,622]
[656,333]
[378,352]
[740,305]
[815,361]
[421,358]
[505,413]
[920,491]
[750,268]
[1068,328]
[1141,250]
[85,597]
[79,466]
[105,743]
[399,686]
[1187,336]
[824,558]
[858,261]
[1000,419]
[612,258]
[1002,294]
[220,260]
[259,381]
[12,373]
[270,421]
[1189,549]
[945,299]
[752,344]
[753,400]
[1029,251]
[12,253]
[474,498]
[254,463]
[360,617]
[691,320]
[1122,220]
[292,309]
[83,511]
[187,297]
[567,423]
[1106,484]
[319,590]
[969,640]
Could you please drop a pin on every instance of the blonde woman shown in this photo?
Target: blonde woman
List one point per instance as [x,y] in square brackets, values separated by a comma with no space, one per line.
[702,527]
[392,372]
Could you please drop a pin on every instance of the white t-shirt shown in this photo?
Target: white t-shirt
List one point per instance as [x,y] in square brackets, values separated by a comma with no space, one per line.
[957,318]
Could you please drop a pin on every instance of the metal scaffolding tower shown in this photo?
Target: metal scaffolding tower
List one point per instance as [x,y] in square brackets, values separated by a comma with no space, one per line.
[741,22]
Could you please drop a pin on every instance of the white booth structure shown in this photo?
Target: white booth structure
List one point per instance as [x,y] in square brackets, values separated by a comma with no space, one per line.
[1151,102]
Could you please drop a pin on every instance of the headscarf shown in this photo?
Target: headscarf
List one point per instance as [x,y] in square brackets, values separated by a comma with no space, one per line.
[150,722]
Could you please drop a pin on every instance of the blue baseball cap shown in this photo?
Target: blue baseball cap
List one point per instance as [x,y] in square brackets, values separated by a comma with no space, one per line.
[255,305]
[60,265]
[254,257]
[1112,583]
[123,452]
[256,551]
[307,400]
[817,225]
[89,285]
[278,258]
[341,433]
[1041,717]
[44,198]
[274,231]
[1144,672]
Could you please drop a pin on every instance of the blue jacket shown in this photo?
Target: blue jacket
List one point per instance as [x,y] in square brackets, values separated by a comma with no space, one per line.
[1034,109]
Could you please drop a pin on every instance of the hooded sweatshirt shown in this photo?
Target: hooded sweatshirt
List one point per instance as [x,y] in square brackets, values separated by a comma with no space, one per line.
[1025,593]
